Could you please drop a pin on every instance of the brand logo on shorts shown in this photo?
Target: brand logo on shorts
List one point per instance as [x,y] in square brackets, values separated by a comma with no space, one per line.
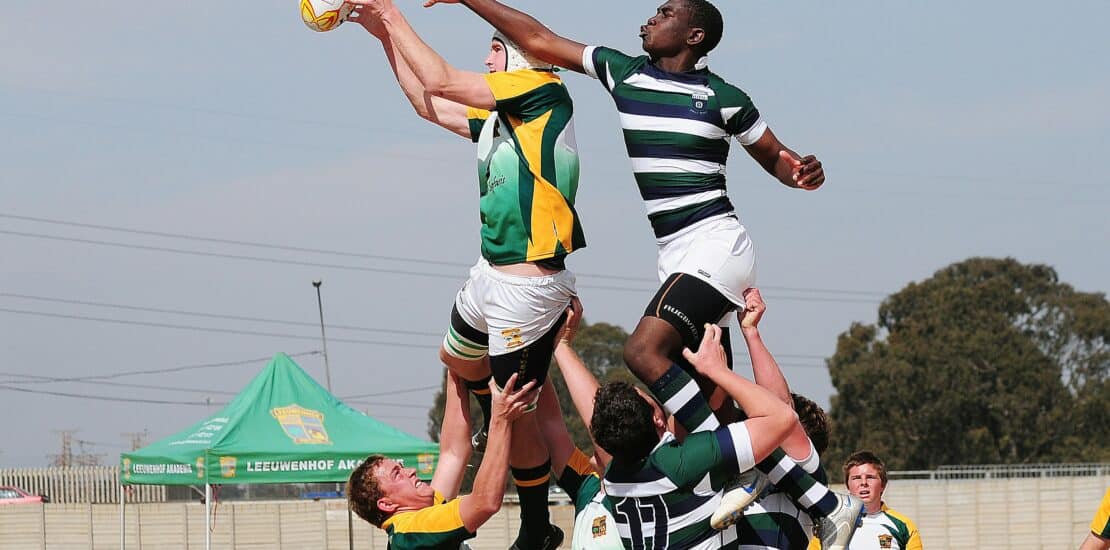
[682,317]
[512,338]
[705,274]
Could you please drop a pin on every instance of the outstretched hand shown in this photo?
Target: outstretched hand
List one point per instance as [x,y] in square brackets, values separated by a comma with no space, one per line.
[710,356]
[754,306]
[806,172]
[370,21]
[431,3]
[373,8]
[509,404]
[570,326]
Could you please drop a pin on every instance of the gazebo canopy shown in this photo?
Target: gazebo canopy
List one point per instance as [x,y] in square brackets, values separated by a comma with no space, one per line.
[282,428]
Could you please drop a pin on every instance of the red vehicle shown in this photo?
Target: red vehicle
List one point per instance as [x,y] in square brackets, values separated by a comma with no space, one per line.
[15,495]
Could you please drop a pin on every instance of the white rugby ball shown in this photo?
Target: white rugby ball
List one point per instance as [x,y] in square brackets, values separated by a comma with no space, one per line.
[324,15]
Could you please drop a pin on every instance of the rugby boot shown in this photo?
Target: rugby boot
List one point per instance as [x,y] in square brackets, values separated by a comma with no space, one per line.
[836,529]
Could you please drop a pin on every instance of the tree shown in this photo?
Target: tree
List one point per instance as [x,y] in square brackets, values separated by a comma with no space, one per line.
[600,345]
[989,361]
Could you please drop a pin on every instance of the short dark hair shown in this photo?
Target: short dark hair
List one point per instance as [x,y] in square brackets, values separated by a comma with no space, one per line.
[814,421]
[706,17]
[363,491]
[622,422]
[859,458]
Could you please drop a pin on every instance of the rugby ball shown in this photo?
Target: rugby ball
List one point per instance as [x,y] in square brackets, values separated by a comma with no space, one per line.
[324,15]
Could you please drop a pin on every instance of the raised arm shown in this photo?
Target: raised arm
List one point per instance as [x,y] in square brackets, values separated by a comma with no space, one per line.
[437,76]
[442,112]
[489,484]
[767,372]
[454,439]
[526,31]
[579,380]
[769,419]
[785,165]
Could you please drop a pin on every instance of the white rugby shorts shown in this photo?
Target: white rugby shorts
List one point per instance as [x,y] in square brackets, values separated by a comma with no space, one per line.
[514,310]
[717,251]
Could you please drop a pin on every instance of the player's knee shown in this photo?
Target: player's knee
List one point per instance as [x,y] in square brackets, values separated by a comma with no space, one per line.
[469,370]
[641,353]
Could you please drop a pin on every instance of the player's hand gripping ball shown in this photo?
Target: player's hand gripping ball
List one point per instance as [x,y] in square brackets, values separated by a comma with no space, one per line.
[324,15]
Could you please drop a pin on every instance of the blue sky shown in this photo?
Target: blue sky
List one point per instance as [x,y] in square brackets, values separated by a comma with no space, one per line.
[947,130]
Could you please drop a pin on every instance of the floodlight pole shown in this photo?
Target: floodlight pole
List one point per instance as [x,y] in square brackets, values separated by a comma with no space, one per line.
[327,376]
[320,302]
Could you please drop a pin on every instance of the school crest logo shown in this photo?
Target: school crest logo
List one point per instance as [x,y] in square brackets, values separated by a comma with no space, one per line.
[227,466]
[512,338]
[303,426]
[885,541]
[425,463]
[597,529]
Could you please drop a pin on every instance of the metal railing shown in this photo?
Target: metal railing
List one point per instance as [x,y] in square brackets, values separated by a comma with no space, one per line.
[1005,471]
[81,484]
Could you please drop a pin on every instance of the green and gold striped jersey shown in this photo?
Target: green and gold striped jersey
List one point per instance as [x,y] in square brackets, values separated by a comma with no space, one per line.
[1101,524]
[527,169]
[438,526]
[883,530]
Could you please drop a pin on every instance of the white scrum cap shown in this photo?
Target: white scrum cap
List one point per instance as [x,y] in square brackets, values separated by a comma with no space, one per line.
[516,58]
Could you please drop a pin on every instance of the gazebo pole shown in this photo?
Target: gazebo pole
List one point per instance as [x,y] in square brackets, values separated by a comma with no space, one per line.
[207,516]
[122,518]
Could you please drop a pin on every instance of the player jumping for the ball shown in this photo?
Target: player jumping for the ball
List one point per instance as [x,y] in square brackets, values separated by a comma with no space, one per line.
[677,119]
[511,307]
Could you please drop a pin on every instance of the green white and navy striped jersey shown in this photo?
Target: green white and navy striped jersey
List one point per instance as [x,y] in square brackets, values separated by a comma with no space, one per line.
[883,530]
[527,169]
[666,499]
[775,521]
[676,129]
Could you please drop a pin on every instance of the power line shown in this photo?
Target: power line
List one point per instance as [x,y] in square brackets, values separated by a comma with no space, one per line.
[393,392]
[257,333]
[51,380]
[375,269]
[378,256]
[106,398]
[211,330]
[176,369]
[211,315]
[233,241]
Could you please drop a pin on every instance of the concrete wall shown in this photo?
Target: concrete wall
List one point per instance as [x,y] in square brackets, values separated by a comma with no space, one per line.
[1045,513]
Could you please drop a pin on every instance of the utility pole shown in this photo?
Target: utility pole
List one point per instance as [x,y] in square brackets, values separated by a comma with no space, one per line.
[64,459]
[137,440]
[320,303]
[67,458]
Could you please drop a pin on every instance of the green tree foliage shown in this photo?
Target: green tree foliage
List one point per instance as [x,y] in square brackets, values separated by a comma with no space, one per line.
[990,361]
[600,345]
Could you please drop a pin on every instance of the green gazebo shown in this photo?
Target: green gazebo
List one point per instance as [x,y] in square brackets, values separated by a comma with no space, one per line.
[282,428]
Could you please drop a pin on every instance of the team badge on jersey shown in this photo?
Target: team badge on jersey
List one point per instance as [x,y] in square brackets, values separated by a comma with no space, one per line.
[885,541]
[699,102]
